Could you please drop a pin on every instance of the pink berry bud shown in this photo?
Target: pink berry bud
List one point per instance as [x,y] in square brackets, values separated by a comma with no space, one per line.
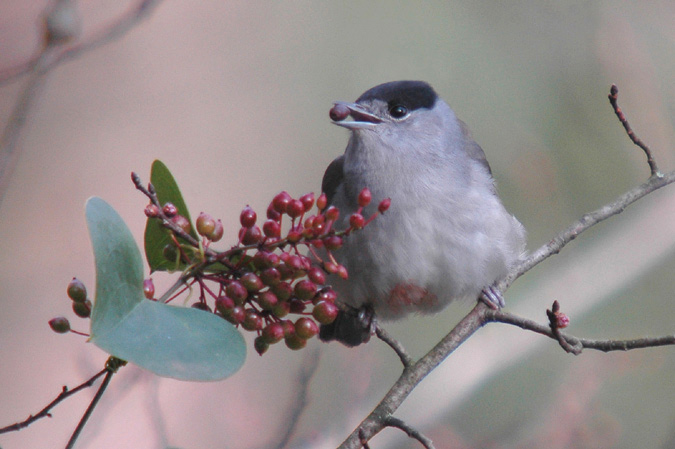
[365,197]
[148,288]
[169,210]
[295,208]
[205,224]
[60,325]
[182,223]
[217,233]
[384,205]
[322,202]
[151,211]
[332,213]
[76,290]
[357,221]
[280,202]
[307,201]
[248,217]
[272,229]
[306,328]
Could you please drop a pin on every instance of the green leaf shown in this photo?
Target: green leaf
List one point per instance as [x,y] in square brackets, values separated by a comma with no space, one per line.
[156,235]
[178,342]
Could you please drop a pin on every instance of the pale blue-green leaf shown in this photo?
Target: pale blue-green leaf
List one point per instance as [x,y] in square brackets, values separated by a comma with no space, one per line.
[182,343]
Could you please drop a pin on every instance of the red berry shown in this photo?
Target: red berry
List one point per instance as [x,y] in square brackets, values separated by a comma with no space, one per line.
[60,325]
[280,202]
[76,290]
[332,213]
[273,333]
[305,290]
[316,275]
[295,343]
[270,276]
[267,300]
[357,221]
[272,228]
[342,272]
[384,205]
[217,233]
[182,223]
[322,202]
[205,224]
[252,321]
[297,306]
[295,235]
[339,112]
[238,314]
[281,310]
[148,288]
[260,345]
[169,210]
[224,305]
[307,201]
[330,267]
[283,290]
[237,292]
[151,211]
[295,208]
[325,295]
[289,328]
[333,242]
[272,214]
[365,197]
[325,312]
[306,328]
[201,306]
[82,309]
[251,282]
[250,236]
[248,217]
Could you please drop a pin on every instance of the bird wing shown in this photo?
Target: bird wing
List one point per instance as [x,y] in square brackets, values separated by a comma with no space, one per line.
[333,177]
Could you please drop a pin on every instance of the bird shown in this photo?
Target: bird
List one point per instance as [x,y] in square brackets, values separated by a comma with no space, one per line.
[446,235]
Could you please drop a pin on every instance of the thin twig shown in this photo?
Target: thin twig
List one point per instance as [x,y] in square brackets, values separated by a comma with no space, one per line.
[411,431]
[586,222]
[398,348]
[45,411]
[499,316]
[613,96]
[90,409]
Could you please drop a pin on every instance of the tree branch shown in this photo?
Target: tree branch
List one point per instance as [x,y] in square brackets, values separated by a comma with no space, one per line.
[481,314]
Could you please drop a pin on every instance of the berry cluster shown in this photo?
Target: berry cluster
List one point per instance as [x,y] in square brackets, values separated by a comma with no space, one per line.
[77,292]
[270,283]
[266,278]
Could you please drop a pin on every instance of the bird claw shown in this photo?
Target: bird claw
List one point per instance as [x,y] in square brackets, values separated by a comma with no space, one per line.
[492,297]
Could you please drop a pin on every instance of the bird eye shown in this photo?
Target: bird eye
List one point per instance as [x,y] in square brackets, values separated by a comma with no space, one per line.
[398,111]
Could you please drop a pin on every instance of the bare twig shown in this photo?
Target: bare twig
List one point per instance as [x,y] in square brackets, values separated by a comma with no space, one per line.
[411,431]
[398,348]
[90,409]
[586,222]
[499,316]
[613,96]
[45,411]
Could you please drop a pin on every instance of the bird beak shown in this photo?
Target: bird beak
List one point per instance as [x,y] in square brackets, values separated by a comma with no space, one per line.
[362,119]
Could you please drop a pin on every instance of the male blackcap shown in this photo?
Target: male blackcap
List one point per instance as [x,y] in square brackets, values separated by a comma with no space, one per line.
[446,235]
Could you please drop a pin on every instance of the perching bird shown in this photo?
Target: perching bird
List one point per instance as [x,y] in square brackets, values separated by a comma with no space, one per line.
[446,235]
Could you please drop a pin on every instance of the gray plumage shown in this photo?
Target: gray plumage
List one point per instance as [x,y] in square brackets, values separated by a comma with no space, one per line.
[446,235]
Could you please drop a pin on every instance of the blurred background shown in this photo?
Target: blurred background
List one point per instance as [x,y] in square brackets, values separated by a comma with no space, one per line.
[234,98]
